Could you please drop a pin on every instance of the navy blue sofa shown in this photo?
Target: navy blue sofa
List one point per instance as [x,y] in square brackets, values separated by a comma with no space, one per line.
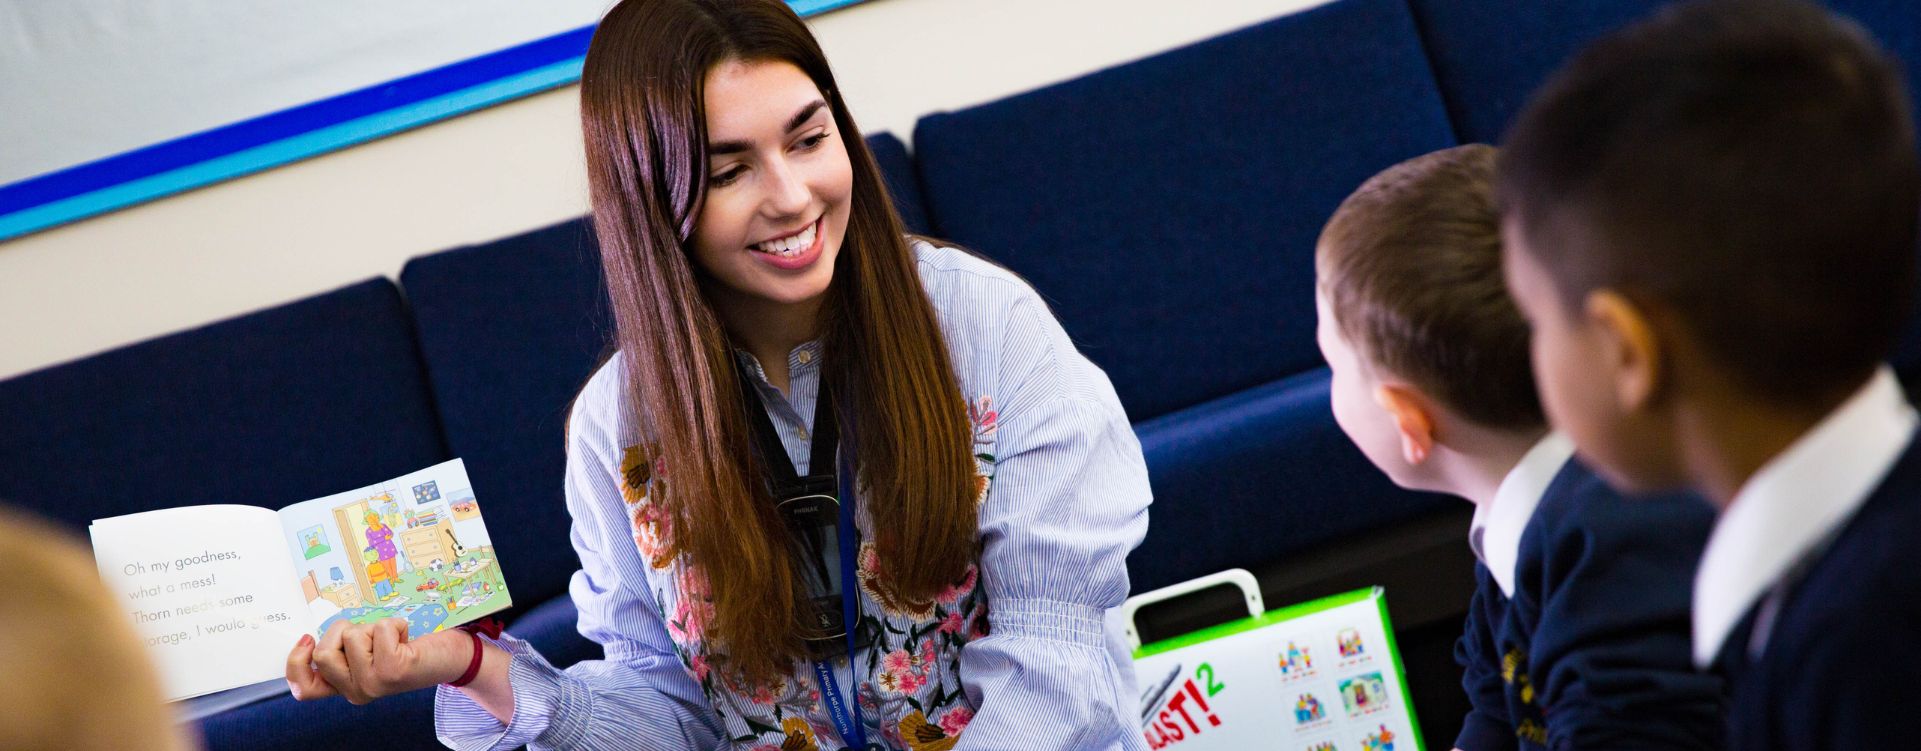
[1175,239]
[1167,208]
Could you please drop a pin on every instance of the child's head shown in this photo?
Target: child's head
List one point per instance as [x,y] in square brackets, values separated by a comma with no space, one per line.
[76,675]
[1715,208]
[1414,321]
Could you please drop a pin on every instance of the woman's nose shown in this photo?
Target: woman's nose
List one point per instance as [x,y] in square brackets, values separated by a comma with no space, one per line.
[787,194]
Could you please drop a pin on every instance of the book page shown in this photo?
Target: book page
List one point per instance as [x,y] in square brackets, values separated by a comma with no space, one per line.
[414,547]
[1318,676]
[208,589]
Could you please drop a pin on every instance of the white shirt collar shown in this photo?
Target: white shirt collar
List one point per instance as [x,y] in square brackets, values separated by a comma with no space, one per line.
[1496,530]
[1794,502]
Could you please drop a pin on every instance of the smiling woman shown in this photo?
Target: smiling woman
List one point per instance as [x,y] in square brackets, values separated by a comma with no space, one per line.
[825,450]
[777,185]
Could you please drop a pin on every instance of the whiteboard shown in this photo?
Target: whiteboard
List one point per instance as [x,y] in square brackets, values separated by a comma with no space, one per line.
[107,103]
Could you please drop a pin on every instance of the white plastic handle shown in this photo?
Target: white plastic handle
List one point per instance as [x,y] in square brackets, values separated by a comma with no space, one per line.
[1239,577]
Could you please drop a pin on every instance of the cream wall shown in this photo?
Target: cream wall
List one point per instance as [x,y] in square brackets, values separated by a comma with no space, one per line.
[326,222]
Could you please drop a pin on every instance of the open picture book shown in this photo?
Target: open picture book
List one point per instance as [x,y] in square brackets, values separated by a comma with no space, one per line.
[220,593]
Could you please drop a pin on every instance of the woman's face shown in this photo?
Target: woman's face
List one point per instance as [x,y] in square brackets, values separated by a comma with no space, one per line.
[778,186]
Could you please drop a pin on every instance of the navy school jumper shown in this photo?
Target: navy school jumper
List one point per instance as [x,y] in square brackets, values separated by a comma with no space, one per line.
[1593,650]
[1840,666]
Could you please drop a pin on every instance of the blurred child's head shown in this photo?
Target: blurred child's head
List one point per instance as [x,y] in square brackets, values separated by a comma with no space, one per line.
[1714,206]
[1414,321]
[76,675]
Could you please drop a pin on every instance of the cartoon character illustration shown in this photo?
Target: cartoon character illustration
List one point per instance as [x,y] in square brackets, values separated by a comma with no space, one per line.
[1308,709]
[1350,643]
[381,572]
[1381,741]
[1296,661]
[380,537]
[1364,693]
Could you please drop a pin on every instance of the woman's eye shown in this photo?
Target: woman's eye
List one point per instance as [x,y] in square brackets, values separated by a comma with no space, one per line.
[724,179]
[813,142]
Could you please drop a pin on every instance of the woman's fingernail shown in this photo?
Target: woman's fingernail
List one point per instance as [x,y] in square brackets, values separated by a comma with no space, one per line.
[305,640]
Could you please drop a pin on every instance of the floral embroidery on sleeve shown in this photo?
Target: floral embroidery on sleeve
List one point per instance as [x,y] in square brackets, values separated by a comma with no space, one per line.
[800,737]
[640,481]
[874,582]
[986,421]
[635,473]
[922,735]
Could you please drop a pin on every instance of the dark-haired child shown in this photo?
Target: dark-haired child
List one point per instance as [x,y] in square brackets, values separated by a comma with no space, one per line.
[1711,223]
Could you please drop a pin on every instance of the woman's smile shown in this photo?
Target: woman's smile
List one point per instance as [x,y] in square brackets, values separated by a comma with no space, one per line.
[794,251]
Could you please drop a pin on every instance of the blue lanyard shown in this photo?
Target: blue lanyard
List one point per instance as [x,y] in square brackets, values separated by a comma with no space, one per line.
[852,727]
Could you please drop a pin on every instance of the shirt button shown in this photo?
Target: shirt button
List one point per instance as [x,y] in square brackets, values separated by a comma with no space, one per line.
[805,357]
[802,432]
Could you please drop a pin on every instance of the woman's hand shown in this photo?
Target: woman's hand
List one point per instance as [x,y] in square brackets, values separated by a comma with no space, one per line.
[366,661]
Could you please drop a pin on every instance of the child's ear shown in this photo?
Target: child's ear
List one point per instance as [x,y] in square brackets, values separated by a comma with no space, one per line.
[1411,419]
[1629,346]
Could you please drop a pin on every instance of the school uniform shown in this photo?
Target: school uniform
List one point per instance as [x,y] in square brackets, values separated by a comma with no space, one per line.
[1577,637]
[1809,593]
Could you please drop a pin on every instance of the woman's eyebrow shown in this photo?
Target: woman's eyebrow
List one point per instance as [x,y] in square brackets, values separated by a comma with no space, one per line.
[806,112]
[800,118]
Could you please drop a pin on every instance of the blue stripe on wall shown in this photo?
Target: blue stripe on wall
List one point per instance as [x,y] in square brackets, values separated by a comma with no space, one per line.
[812,7]
[298,133]
[444,82]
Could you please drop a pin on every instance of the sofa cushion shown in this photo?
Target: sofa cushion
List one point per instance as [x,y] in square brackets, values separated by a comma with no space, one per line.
[1257,476]
[510,331]
[1168,208]
[1490,55]
[903,180]
[403,722]
[272,408]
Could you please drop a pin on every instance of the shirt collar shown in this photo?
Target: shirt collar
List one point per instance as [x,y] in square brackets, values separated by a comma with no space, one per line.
[1496,531]
[803,358]
[1794,502]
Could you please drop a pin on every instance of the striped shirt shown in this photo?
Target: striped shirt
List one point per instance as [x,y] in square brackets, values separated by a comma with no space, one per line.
[1023,653]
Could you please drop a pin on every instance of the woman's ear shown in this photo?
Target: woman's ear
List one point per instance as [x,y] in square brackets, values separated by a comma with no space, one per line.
[1412,420]
[1629,346]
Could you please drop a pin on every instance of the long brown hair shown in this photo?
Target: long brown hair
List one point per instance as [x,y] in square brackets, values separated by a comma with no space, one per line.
[642,112]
